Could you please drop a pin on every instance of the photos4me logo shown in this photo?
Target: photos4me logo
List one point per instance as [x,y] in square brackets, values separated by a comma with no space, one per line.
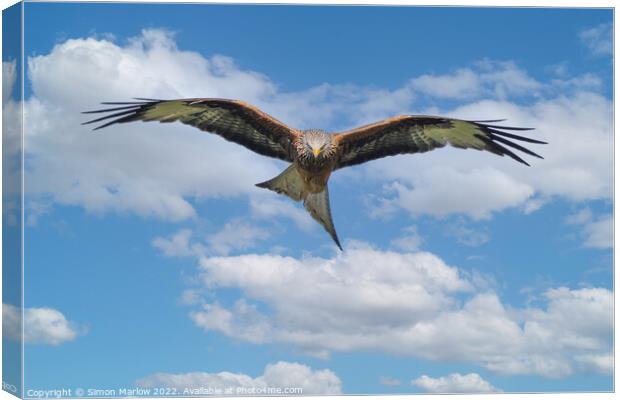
[9,387]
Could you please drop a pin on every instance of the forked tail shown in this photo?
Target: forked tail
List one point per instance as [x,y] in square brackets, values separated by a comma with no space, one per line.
[291,184]
[318,206]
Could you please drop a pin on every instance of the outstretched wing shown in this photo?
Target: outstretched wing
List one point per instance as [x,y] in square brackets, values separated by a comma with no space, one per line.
[418,134]
[233,120]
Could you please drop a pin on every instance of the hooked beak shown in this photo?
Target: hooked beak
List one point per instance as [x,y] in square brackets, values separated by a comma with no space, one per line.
[316,152]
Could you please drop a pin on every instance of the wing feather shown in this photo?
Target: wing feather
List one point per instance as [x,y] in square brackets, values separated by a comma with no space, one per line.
[234,120]
[418,134]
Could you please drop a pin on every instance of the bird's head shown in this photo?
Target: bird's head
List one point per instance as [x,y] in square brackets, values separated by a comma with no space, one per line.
[317,143]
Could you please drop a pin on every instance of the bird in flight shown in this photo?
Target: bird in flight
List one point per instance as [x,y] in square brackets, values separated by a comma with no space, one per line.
[314,153]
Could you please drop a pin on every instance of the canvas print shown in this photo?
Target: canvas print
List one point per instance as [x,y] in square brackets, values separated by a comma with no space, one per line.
[241,200]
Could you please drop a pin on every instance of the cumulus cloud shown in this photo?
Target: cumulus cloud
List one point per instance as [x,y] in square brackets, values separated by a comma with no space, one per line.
[598,39]
[281,375]
[587,314]
[404,303]
[348,290]
[454,383]
[41,325]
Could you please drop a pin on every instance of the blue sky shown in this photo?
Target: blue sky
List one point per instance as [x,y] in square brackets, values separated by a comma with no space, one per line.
[155,256]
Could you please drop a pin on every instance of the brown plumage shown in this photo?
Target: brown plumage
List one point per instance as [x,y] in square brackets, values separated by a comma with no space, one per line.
[314,153]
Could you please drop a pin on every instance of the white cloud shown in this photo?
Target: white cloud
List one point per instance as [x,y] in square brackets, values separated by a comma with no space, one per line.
[283,375]
[179,245]
[593,306]
[559,69]
[236,235]
[463,83]
[9,78]
[487,79]
[454,383]
[581,217]
[407,304]
[480,192]
[534,204]
[41,325]
[598,39]
[586,81]
[600,233]
[466,235]
[599,363]
[348,289]
[11,322]
[150,62]
[410,240]
[597,232]
[243,321]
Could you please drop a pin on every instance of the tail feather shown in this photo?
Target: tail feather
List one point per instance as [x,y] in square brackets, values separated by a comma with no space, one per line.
[289,182]
[317,205]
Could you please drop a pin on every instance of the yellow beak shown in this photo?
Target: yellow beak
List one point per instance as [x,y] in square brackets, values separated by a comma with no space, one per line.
[316,152]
